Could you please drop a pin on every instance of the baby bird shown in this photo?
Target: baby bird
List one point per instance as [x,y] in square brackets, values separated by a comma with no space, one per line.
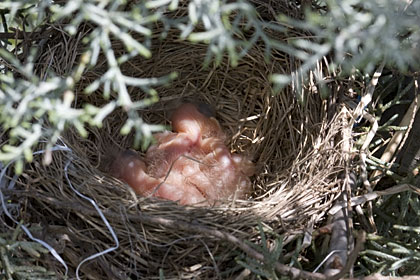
[190,165]
[189,119]
[190,126]
[228,173]
[129,168]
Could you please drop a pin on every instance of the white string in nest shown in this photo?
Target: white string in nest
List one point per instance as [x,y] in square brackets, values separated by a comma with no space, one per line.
[3,182]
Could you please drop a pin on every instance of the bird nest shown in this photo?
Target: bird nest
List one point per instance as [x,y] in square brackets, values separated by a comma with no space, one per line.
[102,230]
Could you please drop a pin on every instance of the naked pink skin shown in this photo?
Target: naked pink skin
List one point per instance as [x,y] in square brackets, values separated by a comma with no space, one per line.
[190,165]
[131,170]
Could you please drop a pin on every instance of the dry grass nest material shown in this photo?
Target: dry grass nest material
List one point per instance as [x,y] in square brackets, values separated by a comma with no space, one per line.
[294,148]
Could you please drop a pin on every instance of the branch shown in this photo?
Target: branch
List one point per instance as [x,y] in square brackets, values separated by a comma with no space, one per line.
[282,269]
[357,200]
[361,238]
[21,35]
[399,138]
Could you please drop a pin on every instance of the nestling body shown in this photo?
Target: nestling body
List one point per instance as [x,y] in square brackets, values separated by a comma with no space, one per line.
[190,165]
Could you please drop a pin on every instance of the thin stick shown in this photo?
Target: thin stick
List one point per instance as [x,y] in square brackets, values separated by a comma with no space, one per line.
[352,258]
[173,224]
[400,136]
[373,195]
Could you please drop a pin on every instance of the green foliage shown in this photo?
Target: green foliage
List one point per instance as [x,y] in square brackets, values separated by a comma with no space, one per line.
[34,108]
[394,249]
[365,33]
[17,258]
[350,36]
[359,34]
[271,255]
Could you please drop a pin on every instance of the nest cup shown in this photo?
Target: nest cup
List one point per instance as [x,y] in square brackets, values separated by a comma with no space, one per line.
[292,145]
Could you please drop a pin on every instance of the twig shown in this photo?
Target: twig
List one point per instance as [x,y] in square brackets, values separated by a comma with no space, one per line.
[367,97]
[364,175]
[397,141]
[373,195]
[381,277]
[292,272]
[20,35]
[378,276]
[361,238]
[5,263]
[358,113]
[194,227]
[364,149]
[341,240]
